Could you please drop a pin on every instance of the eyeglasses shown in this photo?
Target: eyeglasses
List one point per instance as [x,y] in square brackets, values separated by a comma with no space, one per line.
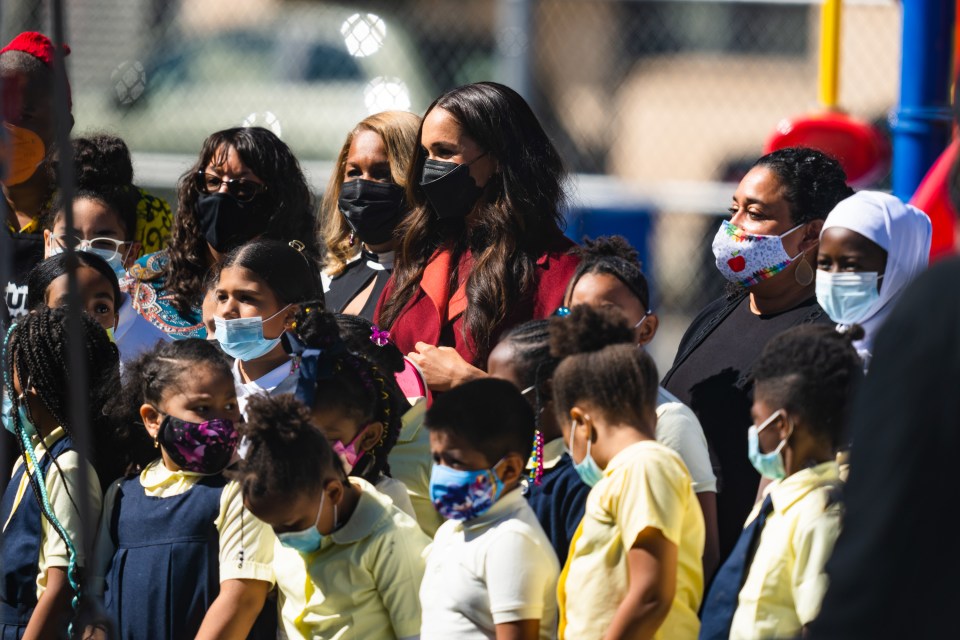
[243,190]
[100,244]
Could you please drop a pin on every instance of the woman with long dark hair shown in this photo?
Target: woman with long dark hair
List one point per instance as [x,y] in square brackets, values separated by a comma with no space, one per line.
[481,249]
[246,184]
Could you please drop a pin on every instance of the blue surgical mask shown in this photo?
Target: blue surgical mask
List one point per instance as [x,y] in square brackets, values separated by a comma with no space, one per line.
[242,338]
[588,469]
[8,421]
[847,297]
[112,258]
[769,465]
[463,495]
[310,539]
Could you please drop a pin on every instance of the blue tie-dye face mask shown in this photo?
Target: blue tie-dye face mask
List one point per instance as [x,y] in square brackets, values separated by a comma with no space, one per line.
[464,495]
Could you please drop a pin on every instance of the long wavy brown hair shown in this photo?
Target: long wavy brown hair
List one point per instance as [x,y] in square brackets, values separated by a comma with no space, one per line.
[287,198]
[519,214]
[398,131]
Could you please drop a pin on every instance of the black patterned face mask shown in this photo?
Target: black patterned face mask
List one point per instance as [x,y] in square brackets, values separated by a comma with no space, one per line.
[204,447]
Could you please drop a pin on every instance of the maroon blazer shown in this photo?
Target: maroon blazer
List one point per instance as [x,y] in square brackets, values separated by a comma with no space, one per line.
[422,321]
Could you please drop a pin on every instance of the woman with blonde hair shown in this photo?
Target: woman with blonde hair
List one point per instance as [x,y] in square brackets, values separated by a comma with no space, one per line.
[362,206]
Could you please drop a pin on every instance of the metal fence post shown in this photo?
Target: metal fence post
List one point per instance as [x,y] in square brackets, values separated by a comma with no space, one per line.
[921,126]
[515,46]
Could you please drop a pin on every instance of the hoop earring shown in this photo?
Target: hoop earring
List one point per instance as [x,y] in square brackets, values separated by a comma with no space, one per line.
[804,274]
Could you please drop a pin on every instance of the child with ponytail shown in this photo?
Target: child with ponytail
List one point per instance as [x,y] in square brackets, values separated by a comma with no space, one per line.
[410,457]
[349,563]
[555,491]
[354,402]
[634,567]
[42,546]
[178,554]
[256,294]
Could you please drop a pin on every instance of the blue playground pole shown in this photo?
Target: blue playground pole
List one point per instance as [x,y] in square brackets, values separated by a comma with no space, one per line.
[921,126]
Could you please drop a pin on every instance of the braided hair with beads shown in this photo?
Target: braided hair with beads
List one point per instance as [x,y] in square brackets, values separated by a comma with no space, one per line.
[354,384]
[36,348]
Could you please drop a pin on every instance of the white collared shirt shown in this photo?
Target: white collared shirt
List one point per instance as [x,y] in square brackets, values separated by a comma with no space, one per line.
[281,380]
[473,580]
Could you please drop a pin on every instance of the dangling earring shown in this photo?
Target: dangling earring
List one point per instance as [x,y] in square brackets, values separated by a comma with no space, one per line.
[804,274]
[156,443]
[352,238]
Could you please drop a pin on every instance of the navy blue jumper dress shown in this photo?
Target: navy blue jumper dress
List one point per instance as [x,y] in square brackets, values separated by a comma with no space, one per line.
[20,549]
[165,572]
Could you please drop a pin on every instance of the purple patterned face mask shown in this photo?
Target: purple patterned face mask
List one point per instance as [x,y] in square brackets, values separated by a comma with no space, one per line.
[204,447]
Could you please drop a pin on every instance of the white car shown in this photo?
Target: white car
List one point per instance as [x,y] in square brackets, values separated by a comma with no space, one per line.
[309,74]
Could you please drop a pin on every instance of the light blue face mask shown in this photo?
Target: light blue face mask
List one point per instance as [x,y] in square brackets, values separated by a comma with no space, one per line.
[242,338]
[112,258]
[10,424]
[847,297]
[310,539]
[769,465]
[588,469]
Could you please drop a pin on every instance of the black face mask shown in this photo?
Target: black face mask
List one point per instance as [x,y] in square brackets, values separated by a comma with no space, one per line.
[372,209]
[449,187]
[227,223]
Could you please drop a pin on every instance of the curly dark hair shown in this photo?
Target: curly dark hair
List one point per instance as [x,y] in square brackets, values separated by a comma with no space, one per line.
[519,217]
[811,371]
[601,365]
[147,378]
[104,173]
[287,199]
[611,255]
[813,182]
[36,348]
[101,160]
[360,387]
[286,454]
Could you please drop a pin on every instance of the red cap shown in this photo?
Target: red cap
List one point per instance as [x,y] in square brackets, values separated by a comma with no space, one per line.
[37,45]
[40,47]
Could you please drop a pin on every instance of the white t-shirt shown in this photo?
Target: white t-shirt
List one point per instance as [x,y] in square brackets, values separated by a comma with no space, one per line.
[493,569]
[281,380]
[679,429]
[134,333]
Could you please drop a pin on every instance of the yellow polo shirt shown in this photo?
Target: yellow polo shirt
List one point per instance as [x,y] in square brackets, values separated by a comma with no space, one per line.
[644,485]
[786,581]
[63,489]
[363,581]
[410,463]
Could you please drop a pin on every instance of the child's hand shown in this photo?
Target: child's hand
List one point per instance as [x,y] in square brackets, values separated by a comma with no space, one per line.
[442,367]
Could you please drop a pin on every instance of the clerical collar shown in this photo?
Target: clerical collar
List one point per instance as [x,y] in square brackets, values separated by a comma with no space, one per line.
[378,261]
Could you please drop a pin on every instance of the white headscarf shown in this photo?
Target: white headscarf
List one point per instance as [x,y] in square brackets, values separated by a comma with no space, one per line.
[900,229]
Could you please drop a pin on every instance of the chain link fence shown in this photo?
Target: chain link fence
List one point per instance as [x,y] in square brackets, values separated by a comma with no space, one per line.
[671,99]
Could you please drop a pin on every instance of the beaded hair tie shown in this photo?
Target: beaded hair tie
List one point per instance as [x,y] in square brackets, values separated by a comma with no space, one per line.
[536,457]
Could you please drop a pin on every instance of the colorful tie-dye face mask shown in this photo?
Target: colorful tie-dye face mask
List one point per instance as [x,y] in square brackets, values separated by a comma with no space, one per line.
[746,258]
[463,495]
[204,447]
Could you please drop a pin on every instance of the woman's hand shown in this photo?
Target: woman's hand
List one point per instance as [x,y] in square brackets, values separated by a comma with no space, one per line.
[442,367]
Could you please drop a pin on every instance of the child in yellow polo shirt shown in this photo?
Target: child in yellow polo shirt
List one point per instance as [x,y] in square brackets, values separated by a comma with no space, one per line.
[634,567]
[348,563]
[804,381]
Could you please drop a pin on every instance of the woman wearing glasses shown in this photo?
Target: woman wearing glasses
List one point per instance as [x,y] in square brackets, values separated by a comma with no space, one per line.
[246,184]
